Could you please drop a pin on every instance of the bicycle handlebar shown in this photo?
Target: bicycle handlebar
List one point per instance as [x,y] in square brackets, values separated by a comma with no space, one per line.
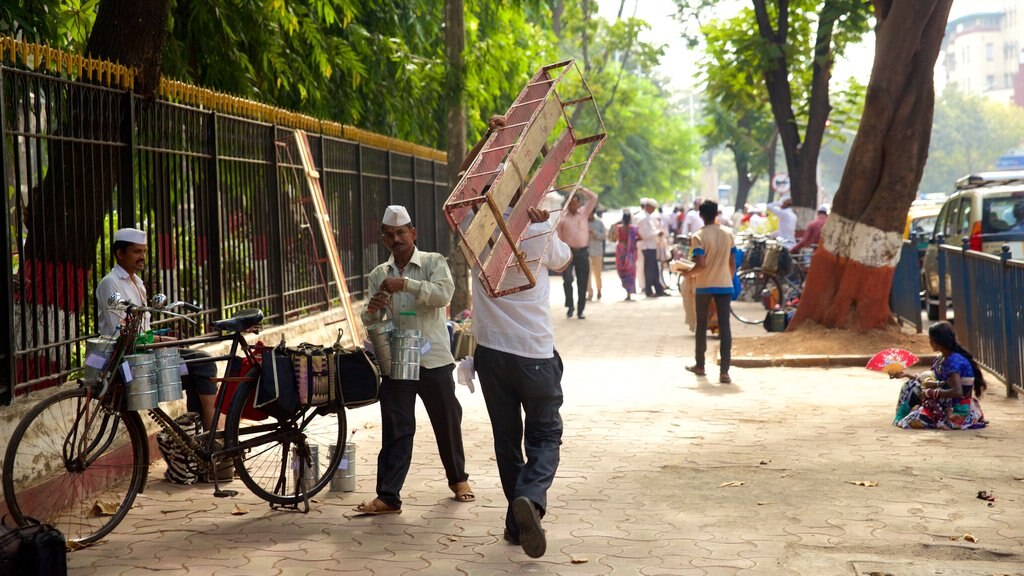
[117,301]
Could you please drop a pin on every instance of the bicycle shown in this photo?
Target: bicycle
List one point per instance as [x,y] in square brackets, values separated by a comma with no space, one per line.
[78,459]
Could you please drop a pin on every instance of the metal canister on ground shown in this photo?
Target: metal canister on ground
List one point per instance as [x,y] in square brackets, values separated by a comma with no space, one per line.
[380,337]
[405,355]
[344,479]
[777,321]
[168,370]
[143,392]
[312,472]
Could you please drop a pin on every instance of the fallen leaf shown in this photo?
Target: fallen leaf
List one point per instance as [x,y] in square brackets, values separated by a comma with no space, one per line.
[239,510]
[453,539]
[970,538]
[763,462]
[579,559]
[983,495]
[763,503]
[100,508]
[868,483]
[731,484]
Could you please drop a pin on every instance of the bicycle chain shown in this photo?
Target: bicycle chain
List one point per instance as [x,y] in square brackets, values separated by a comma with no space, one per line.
[190,446]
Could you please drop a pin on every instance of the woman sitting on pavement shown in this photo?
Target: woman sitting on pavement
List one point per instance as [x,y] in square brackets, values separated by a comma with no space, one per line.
[942,398]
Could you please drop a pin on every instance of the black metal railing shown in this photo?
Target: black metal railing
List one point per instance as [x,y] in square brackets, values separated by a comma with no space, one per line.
[222,198]
[905,294]
[988,313]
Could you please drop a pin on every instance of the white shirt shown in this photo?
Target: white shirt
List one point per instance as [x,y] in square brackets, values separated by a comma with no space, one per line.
[118,281]
[692,222]
[648,229]
[787,221]
[428,291]
[520,323]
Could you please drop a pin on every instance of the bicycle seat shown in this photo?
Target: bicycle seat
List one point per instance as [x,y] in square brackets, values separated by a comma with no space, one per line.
[242,320]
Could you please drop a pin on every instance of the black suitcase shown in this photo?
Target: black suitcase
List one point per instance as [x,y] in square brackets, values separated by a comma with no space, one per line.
[32,550]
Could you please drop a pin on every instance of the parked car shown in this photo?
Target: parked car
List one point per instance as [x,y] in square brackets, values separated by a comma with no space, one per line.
[988,210]
[921,222]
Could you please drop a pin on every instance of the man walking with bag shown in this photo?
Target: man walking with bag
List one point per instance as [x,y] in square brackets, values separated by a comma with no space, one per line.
[420,282]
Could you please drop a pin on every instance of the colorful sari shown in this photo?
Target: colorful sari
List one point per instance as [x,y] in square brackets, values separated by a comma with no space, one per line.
[963,413]
[625,256]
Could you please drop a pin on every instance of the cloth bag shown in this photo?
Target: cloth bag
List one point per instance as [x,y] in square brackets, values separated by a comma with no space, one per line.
[356,378]
[277,393]
[34,548]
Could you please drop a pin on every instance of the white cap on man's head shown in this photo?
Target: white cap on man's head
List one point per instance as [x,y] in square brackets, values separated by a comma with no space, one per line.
[132,235]
[643,202]
[652,202]
[396,216]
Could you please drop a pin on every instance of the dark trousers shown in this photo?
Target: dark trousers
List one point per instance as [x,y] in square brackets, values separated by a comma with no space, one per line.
[436,388]
[652,276]
[581,265]
[198,380]
[722,303]
[513,385]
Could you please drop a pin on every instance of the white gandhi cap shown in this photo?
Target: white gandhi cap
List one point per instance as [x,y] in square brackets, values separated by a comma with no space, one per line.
[132,235]
[396,216]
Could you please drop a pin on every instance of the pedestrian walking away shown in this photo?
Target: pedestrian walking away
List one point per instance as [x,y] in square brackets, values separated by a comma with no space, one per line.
[574,230]
[521,373]
[420,285]
[714,255]
[597,232]
[650,230]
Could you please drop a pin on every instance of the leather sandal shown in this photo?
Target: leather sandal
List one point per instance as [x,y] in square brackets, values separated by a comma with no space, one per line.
[698,370]
[376,508]
[463,493]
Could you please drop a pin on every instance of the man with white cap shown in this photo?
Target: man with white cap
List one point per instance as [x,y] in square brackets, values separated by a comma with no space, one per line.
[419,285]
[130,251]
[783,210]
[650,230]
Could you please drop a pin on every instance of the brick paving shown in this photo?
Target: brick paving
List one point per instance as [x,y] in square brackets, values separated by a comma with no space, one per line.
[662,473]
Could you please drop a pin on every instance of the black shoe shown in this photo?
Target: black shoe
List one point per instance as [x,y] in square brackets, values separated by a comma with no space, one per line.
[510,538]
[569,312]
[531,535]
[581,316]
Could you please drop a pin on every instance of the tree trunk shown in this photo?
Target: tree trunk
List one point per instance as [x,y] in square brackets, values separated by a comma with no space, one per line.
[743,181]
[454,47]
[849,281]
[66,210]
[801,156]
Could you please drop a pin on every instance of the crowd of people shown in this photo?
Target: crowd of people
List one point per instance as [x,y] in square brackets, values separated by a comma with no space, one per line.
[516,360]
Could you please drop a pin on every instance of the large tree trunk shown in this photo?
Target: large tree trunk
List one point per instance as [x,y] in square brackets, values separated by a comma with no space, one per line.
[849,281]
[454,46]
[66,210]
[743,181]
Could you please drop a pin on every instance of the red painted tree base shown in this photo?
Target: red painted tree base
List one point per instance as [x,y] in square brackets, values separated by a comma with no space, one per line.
[843,293]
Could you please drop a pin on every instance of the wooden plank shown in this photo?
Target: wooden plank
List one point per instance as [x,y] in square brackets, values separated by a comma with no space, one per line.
[515,175]
[323,219]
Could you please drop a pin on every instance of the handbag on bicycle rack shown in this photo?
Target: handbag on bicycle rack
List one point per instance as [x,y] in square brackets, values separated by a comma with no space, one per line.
[310,363]
[355,378]
[277,393]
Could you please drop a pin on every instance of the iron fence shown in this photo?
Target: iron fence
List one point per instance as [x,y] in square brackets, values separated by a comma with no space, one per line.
[905,294]
[222,198]
[988,317]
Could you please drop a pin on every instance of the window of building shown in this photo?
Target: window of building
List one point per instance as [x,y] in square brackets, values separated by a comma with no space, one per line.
[990,82]
[990,52]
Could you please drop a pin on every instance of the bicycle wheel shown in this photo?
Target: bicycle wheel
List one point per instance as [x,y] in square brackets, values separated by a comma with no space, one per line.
[76,465]
[759,293]
[269,465]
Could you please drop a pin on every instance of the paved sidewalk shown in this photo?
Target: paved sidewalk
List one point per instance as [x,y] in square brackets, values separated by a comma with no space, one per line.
[661,474]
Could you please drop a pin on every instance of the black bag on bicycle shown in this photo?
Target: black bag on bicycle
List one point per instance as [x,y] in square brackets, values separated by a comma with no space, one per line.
[355,378]
[277,393]
[33,549]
